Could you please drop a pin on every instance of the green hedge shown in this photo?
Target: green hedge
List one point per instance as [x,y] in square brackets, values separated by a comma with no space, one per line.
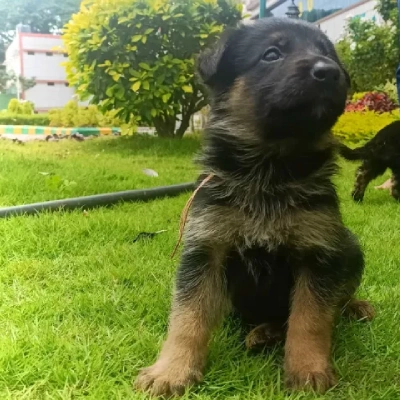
[358,127]
[21,119]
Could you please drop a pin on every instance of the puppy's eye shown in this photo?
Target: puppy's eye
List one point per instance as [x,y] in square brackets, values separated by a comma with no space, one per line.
[272,54]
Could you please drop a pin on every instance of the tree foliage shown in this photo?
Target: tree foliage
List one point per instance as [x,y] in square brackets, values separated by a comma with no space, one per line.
[370,51]
[43,16]
[138,56]
[388,10]
[315,14]
[8,79]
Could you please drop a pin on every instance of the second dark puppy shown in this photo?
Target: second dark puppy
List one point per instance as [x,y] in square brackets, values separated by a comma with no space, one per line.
[379,154]
[265,236]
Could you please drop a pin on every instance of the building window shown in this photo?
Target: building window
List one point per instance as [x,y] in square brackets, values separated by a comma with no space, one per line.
[50,54]
[67,84]
[31,53]
[50,83]
[65,55]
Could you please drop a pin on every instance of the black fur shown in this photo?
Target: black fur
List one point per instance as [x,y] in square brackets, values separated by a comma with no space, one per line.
[292,114]
[382,152]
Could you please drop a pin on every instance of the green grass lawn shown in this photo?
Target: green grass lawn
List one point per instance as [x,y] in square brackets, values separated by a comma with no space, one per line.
[82,307]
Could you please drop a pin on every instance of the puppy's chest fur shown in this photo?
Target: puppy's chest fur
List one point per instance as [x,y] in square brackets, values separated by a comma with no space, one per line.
[230,226]
[258,210]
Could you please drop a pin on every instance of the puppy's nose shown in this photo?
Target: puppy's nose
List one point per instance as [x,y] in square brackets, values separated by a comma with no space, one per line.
[325,72]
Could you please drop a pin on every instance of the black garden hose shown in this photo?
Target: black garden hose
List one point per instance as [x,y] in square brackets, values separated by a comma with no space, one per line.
[107,199]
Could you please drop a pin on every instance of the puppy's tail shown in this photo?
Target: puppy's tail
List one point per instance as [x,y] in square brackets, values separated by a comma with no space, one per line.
[352,154]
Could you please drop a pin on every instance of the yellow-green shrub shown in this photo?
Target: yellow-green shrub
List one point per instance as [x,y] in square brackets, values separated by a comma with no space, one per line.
[361,126]
[55,117]
[7,118]
[27,107]
[68,114]
[13,106]
[358,96]
[86,116]
[390,88]
[20,107]
[74,116]
[110,119]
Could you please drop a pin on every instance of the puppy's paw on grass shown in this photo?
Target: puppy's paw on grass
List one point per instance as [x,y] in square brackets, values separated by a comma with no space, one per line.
[318,381]
[167,378]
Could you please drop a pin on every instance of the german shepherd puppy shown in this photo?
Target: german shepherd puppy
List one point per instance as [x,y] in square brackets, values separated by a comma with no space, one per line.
[379,154]
[265,237]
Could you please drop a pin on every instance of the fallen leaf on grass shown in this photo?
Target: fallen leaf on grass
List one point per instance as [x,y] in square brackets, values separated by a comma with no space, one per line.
[18,141]
[147,235]
[150,172]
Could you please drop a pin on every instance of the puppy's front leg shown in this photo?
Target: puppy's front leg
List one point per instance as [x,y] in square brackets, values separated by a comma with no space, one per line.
[308,341]
[199,303]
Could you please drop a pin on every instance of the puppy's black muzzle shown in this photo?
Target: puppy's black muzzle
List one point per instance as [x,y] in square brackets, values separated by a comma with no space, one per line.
[326,72]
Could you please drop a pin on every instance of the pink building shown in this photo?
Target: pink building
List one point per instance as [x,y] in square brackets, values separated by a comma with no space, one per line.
[40,56]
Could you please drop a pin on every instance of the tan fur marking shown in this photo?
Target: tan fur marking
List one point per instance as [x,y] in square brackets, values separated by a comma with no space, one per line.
[308,341]
[240,102]
[240,117]
[300,228]
[183,356]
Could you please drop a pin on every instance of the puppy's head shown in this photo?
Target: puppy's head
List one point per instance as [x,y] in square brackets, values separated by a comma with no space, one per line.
[280,75]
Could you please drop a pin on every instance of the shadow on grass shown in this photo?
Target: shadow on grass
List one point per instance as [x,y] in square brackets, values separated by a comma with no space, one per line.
[148,146]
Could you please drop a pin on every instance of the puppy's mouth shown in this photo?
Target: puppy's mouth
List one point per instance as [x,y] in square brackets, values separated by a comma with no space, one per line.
[317,115]
[319,106]
[310,97]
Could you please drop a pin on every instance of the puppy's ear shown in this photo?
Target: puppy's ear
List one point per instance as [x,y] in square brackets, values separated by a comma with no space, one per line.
[208,62]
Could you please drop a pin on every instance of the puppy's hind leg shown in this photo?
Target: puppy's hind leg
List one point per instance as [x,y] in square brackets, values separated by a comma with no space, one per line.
[395,189]
[368,171]
[200,302]
[359,310]
[265,335]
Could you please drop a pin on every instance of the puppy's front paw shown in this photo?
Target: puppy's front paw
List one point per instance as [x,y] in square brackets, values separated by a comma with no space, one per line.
[167,378]
[308,379]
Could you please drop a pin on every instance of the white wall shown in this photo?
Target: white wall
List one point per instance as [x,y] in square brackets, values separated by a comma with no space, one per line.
[47,97]
[335,25]
[42,58]
[44,67]
[40,42]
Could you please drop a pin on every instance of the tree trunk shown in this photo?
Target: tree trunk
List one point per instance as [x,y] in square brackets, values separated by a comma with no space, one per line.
[165,127]
[192,125]
[185,122]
